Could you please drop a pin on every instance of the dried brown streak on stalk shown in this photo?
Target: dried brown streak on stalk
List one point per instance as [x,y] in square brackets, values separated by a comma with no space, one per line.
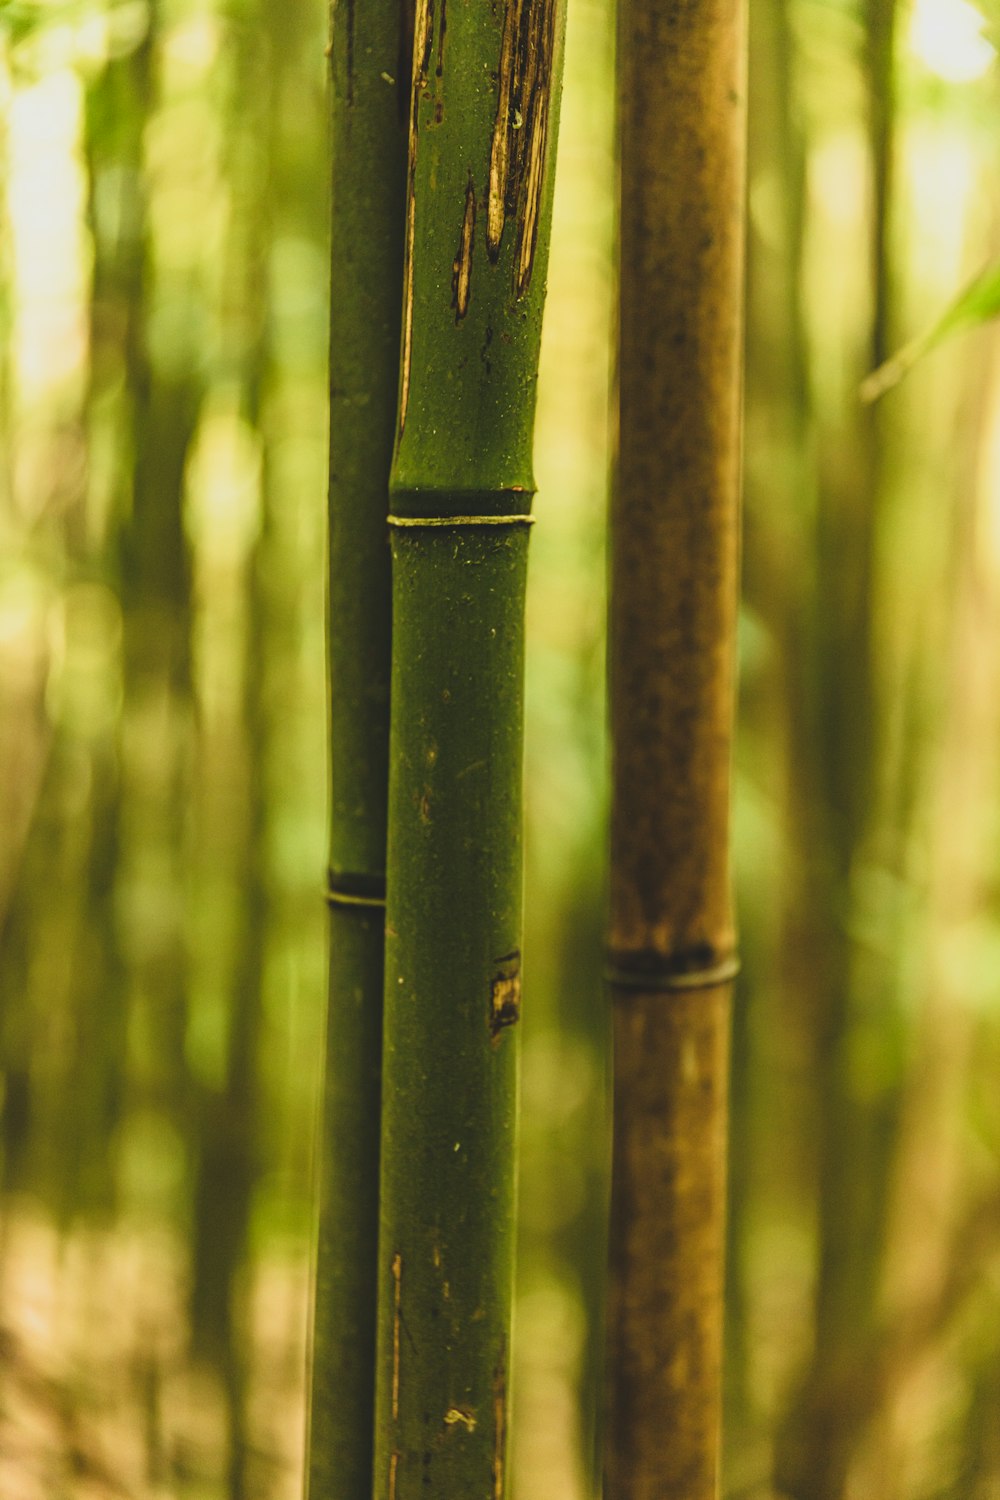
[520,132]
[499,1420]
[500,147]
[423,43]
[393,1464]
[397,1298]
[461,270]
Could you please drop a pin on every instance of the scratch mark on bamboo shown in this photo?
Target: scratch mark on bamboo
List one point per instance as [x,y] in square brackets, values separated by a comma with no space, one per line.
[461,270]
[460,1414]
[423,43]
[499,1420]
[397,1311]
[393,1465]
[520,131]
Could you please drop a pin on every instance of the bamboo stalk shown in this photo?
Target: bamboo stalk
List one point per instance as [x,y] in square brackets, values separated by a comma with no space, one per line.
[853,986]
[672,665]
[482,135]
[369,164]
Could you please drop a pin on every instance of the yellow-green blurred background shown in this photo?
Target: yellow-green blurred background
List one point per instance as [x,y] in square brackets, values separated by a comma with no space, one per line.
[163,331]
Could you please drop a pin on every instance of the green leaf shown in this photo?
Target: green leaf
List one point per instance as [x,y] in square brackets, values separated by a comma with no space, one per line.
[978,303]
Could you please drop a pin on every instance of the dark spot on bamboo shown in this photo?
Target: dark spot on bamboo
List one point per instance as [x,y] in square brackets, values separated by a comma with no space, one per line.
[349,39]
[505,994]
[461,270]
[499,1420]
[520,131]
[442,28]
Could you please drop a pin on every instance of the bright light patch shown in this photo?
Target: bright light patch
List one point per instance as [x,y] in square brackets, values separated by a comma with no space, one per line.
[947,36]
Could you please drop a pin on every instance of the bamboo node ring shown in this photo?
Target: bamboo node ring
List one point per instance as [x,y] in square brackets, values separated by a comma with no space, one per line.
[665,978]
[461,520]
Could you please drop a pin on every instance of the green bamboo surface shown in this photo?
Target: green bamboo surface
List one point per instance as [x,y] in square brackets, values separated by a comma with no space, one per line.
[368,153]
[484,99]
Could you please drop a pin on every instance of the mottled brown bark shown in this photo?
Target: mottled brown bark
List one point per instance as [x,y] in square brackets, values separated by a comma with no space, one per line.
[665,1343]
[672,672]
[674,512]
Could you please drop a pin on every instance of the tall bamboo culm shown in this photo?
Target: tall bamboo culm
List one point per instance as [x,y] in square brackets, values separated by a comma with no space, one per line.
[482,130]
[672,669]
[368,140]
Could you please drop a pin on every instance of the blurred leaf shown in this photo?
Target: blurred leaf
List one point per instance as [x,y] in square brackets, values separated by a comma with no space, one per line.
[978,303]
[21,19]
[990,10]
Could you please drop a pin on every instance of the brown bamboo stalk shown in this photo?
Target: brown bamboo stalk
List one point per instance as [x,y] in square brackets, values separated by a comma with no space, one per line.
[672,671]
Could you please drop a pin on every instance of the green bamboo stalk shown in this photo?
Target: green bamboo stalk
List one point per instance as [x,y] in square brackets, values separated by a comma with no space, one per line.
[672,667]
[368,117]
[482,136]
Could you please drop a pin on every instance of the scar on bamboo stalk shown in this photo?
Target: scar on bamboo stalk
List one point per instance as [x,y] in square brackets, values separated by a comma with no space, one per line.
[423,46]
[517,153]
[505,994]
[461,271]
[397,1313]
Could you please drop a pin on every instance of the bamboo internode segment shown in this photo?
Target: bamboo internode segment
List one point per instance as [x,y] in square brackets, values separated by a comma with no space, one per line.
[368,181]
[343,1340]
[674,508]
[483,113]
[666,1305]
[672,688]
[453,987]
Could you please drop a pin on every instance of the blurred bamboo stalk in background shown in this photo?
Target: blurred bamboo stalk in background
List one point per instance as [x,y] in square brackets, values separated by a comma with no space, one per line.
[673,610]
[483,118]
[367,50]
[854,814]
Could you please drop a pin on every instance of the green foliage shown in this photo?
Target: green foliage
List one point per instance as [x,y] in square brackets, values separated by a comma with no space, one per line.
[979,303]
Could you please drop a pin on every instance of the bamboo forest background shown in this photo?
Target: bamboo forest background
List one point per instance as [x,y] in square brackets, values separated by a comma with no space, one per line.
[163,332]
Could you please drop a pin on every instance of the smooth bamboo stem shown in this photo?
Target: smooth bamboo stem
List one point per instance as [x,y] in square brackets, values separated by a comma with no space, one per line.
[453,991]
[672,669]
[368,182]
